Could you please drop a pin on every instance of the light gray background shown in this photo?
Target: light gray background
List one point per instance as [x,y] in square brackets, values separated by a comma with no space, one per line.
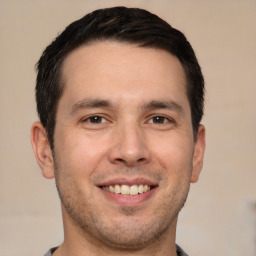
[220,215]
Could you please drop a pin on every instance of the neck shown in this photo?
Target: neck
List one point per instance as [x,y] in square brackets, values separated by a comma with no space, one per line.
[66,249]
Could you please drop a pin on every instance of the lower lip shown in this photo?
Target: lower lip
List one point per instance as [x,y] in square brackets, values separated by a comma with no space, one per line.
[126,200]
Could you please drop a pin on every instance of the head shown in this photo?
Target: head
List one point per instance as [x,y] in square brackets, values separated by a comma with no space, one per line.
[129,25]
[120,98]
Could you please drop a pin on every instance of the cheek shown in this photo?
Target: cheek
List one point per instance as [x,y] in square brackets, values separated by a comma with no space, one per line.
[78,153]
[174,153]
[175,156]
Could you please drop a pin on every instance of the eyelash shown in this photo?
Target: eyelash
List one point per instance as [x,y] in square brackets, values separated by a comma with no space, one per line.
[90,118]
[165,119]
[157,119]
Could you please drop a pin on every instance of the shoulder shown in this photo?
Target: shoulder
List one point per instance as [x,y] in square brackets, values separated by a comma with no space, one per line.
[180,252]
[50,252]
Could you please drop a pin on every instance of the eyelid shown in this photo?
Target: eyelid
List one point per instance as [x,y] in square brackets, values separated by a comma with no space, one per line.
[87,119]
[169,119]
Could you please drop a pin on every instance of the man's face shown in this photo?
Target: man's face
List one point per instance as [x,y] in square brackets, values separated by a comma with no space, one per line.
[123,124]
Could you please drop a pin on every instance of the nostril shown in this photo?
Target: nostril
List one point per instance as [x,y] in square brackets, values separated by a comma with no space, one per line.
[129,161]
[120,160]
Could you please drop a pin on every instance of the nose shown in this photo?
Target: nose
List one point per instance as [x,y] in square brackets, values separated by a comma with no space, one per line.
[129,147]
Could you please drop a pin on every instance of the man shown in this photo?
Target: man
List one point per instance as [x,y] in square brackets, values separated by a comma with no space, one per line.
[120,99]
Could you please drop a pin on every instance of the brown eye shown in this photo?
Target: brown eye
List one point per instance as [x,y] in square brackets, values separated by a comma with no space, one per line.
[95,120]
[159,120]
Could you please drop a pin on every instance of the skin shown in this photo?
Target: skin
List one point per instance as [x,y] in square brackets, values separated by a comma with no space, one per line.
[143,132]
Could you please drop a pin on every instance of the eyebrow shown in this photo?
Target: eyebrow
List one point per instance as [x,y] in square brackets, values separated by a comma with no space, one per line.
[102,103]
[91,103]
[169,104]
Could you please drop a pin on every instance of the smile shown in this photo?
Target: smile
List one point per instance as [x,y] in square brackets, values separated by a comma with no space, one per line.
[127,190]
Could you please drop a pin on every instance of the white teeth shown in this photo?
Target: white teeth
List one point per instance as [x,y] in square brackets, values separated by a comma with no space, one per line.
[145,188]
[134,190]
[141,189]
[127,190]
[117,189]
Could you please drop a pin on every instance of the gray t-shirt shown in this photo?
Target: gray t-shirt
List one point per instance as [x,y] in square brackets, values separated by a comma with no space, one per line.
[180,252]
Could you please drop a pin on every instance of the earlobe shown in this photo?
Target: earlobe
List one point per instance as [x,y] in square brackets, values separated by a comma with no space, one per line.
[198,154]
[42,150]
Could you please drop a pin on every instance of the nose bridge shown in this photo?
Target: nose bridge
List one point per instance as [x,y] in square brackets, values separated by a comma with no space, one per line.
[130,146]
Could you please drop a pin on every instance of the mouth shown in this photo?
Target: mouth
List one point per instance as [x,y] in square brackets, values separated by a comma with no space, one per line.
[127,190]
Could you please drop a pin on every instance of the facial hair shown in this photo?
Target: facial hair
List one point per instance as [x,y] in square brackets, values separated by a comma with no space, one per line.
[128,230]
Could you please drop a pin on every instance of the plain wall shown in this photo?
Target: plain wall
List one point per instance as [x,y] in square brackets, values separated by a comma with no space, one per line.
[219,217]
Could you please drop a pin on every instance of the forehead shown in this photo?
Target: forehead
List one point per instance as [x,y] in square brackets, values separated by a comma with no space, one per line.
[114,70]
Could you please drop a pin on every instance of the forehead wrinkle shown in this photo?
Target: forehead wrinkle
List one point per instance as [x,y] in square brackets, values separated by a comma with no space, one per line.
[165,104]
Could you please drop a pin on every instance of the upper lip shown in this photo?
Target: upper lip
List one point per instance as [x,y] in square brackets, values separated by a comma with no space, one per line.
[127,181]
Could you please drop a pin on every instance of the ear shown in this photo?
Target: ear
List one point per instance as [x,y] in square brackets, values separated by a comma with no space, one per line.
[42,150]
[198,154]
